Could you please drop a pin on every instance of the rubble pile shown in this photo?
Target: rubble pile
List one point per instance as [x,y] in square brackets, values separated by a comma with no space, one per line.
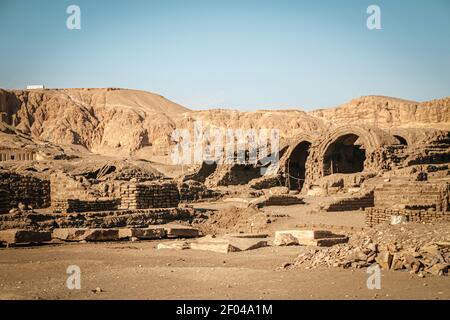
[417,248]
[194,191]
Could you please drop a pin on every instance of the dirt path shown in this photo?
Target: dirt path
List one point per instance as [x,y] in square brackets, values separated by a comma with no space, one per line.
[136,270]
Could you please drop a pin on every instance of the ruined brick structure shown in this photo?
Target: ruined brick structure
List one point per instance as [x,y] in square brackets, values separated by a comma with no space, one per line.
[149,195]
[16,188]
[375,216]
[75,194]
[193,191]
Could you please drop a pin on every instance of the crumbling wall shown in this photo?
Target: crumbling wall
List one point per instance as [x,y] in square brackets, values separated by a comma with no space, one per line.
[231,175]
[26,189]
[194,191]
[76,194]
[202,172]
[149,195]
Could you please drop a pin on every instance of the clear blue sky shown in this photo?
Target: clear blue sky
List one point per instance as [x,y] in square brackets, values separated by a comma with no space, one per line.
[245,54]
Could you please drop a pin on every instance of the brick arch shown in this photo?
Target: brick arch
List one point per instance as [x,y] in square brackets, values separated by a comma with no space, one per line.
[286,165]
[371,138]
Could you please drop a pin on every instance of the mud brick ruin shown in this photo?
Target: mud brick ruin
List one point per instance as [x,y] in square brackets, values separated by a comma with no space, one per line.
[18,189]
[149,195]
[372,168]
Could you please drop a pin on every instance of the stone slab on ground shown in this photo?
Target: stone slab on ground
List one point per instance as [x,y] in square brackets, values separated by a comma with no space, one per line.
[85,234]
[180,231]
[17,236]
[178,245]
[325,242]
[227,244]
[284,239]
[222,246]
[302,234]
[321,238]
[142,233]
[246,235]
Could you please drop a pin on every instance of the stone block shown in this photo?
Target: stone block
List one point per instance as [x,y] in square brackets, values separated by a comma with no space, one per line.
[84,234]
[142,233]
[384,259]
[284,239]
[227,244]
[17,236]
[177,245]
[179,231]
[398,220]
[246,235]
[439,269]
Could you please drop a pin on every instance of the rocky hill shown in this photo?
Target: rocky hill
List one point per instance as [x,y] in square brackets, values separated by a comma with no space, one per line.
[390,112]
[120,122]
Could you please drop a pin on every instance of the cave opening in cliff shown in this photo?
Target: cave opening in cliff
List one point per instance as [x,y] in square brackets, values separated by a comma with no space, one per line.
[402,141]
[344,155]
[296,165]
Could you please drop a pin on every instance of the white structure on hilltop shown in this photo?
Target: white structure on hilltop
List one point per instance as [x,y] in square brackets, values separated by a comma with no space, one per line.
[36,87]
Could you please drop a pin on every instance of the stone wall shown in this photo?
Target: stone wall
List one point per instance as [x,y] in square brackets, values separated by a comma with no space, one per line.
[375,216]
[149,195]
[25,189]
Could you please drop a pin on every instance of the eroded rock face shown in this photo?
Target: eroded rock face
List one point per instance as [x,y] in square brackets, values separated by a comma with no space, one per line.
[102,120]
[385,112]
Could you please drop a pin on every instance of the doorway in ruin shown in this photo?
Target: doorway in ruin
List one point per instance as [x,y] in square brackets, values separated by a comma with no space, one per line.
[344,155]
[402,141]
[296,165]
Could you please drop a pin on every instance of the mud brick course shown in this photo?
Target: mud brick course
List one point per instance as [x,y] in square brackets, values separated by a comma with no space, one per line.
[376,216]
[24,189]
[354,203]
[149,195]
[76,205]
[418,195]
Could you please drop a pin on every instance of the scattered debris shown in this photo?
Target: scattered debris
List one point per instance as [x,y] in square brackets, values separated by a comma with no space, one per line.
[414,247]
